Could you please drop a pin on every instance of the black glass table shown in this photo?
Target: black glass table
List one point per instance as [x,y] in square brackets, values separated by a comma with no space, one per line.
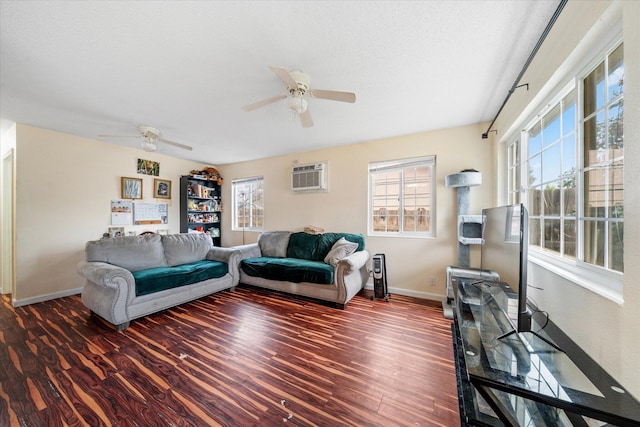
[534,378]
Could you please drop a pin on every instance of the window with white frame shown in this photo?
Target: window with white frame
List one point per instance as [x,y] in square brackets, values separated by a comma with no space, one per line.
[603,163]
[513,172]
[572,162]
[402,197]
[248,204]
[551,177]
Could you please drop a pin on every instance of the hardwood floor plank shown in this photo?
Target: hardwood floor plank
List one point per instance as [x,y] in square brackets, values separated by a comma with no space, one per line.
[64,402]
[246,358]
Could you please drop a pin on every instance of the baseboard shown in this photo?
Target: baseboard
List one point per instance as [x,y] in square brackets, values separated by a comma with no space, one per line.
[47,297]
[410,293]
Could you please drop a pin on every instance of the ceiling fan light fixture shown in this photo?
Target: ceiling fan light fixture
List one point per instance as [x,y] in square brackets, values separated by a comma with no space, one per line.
[149,144]
[298,85]
[297,104]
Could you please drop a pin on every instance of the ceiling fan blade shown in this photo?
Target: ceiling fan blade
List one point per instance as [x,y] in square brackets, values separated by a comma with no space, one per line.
[176,144]
[263,102]
[333,95]
[305,119]
[119,136]
[284,75]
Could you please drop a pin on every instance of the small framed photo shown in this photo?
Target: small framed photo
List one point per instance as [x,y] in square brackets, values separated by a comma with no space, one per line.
[116,231]
[131,188]
[161,188]
[148,167]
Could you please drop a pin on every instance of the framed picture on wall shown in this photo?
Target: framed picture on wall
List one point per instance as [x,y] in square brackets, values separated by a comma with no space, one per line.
[131,188]
[161,188]
[148,167]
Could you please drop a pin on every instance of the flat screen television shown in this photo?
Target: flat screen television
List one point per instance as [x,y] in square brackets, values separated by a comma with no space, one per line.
[504,250]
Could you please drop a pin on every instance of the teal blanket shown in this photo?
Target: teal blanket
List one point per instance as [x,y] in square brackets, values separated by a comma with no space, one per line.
[162,278]
[315,247]
[289,270]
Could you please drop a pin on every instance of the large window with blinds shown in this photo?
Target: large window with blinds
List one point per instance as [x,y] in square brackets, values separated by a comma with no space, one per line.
[248,204]
[402,197]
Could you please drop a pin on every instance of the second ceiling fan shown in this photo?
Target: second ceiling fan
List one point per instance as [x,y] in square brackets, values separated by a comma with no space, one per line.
[298,85]
[150,138]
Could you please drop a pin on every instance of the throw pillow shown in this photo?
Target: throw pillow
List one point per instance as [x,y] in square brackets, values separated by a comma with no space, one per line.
[341,249]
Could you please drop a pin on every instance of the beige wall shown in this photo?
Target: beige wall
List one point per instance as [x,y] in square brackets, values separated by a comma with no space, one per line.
[65,184]
[7,209]
[410,261]
[607,331]
[64,188]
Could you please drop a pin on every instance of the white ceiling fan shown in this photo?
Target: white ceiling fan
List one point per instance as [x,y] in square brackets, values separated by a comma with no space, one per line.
[298,85]
[150,138]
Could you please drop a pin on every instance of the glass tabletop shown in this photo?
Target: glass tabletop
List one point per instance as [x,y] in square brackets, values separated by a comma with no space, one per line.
[537,365]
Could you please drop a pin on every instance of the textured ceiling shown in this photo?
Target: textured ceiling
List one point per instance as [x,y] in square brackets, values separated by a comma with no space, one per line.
[105,67]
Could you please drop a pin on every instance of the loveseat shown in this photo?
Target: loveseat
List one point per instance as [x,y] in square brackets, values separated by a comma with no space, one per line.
[331,266]
[133,276]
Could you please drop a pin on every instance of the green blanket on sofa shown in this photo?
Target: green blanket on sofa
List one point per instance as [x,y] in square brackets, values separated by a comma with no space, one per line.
[304,261]
[161,278]
[289,269]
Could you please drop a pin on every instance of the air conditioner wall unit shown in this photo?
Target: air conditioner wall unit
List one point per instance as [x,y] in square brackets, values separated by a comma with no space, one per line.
[311,177]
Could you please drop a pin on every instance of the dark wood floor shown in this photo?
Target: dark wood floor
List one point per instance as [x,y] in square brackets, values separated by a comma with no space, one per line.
[243,358]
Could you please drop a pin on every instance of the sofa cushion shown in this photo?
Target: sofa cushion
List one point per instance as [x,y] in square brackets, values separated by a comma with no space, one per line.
[315,247]
[162,278]
[341,249]
[133,253]
[304,246]
[185,248]
[288,269]
[274,243]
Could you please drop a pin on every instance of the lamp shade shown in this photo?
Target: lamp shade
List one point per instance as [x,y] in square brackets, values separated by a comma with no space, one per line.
[297,104]
[149,144]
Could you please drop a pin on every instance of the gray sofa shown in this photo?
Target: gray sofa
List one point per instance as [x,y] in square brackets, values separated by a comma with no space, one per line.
[133,276]
[318,266]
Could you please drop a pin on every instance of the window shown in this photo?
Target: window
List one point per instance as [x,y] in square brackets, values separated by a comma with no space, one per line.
[603,165]
[402,197]
[551,177]
[513,172]
[571,157]
[248,204]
